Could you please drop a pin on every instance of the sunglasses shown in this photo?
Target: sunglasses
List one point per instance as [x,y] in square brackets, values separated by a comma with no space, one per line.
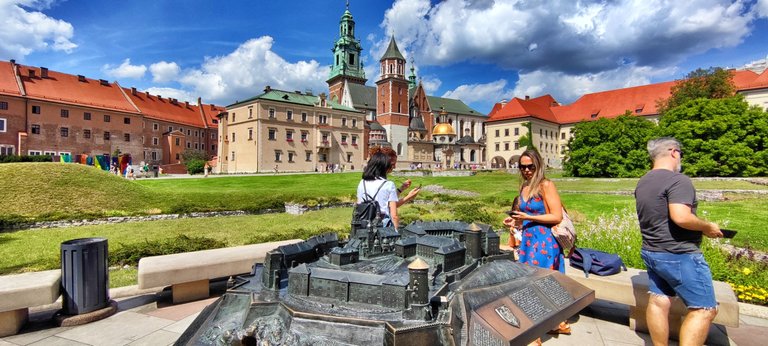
[530,167]
[679,151]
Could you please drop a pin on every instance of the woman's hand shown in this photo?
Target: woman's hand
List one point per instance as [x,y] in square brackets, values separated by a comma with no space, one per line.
[412,194]
[405,185]
[520,216]
[509,222]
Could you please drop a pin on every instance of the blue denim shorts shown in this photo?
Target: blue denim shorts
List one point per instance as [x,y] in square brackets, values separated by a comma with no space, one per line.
[685,275]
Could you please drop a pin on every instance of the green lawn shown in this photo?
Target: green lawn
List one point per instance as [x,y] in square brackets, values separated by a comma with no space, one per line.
[54,191]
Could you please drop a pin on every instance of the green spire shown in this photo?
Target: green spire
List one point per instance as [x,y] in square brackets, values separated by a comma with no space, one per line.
[347,51]
[412,76]
[392,51]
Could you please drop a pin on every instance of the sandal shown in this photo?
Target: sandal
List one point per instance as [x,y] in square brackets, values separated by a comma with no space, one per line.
[536,342]
[564,328]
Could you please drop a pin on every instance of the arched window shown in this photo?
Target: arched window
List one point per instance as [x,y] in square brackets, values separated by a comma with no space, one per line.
[399,149]
[391,67]
[472,156]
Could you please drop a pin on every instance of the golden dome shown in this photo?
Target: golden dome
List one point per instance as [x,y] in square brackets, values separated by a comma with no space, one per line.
[443,129]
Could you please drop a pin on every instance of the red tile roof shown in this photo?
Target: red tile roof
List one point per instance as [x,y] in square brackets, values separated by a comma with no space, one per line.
[8,83]
[166,109]
[759,82]
[67,88]
[540,107]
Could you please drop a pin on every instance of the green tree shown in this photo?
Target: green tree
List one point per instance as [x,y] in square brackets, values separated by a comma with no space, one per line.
[712,83]
[720,137]
[609,147]
[526,139]
[195,160]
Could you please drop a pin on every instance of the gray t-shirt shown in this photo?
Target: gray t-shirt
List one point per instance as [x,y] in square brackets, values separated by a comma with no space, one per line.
[655,191]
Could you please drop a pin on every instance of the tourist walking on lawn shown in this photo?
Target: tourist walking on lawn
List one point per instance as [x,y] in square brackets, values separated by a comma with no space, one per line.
[666,208]
[381,163]
[540,209]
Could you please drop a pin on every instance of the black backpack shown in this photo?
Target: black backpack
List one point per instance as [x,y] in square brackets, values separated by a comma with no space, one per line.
[366,211]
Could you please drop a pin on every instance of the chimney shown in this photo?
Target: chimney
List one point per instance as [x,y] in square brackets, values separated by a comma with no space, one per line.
[13,61]
[267,89]
[31,73]
[133,91]
[322,99]
[212,107]
[186,104]
[160,97]
[527,97]
[147,93]
[200,100]
[80,78]
[503,102]
[43,72]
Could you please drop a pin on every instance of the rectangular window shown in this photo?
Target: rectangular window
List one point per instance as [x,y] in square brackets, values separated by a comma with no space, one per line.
[497,133]
[127,137]
[197,146]
[278,155]
[349,157]
[3,126]
[354,123]
[86,116]
[3,105]
[291,155]
[35,129]
[170,128]
[189,133]
[271,113]
[65,131]
[289,135]
[304,135]
[126,120]
[107,118]
[344,122]
[308,156]
[304,117]
[517,145]
[107,135]
[250,112]
[87,134]
[289,114]
[155,141]
[213,135]
[562,135]
[321,157]
[323,119]
[178,141]
[233,137]
[197,133]
[233,117]
[250,133]
[213,147]
[35,109]
[517,131]
[344,139]
[506,132]
[233,156]
[354,140]
[35,152]
[65,113]
[272,134]
[189,145]
[153,156]
[497,146]
[155,126]
[7,150]
[506,146]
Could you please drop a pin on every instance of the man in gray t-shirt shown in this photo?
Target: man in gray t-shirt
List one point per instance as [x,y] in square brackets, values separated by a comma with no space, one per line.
[666,209]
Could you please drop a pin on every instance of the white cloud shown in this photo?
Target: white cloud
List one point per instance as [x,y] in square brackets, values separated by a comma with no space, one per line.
[574,37]
[430,84]
[567,88]
[245,72]
[125,70]
[181,95]
[163,71]
[762,8]
[479,92]
[24,30]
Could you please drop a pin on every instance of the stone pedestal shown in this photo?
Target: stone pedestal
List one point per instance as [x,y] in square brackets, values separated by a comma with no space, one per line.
[12,321]
[189,291]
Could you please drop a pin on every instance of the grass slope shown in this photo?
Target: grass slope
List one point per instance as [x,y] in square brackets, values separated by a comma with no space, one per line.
[58,190]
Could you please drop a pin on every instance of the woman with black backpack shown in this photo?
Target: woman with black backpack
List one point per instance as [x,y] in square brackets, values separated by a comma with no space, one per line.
[374,187]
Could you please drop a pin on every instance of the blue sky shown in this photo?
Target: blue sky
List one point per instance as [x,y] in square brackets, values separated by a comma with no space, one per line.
[480,51]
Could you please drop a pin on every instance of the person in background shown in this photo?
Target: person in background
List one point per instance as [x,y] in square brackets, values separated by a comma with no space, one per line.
[666,209]
[382,162]
[206,169]
[540,209]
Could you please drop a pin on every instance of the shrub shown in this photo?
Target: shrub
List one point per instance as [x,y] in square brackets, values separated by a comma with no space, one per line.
[24,158]
[129,254]
[195,166]
[472,212]
[300,233]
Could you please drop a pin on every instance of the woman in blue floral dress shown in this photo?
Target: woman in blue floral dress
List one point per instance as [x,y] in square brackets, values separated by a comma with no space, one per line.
[540,209]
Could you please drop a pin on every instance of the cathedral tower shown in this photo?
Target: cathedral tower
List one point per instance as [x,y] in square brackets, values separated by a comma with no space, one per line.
[392,99]
[347,65]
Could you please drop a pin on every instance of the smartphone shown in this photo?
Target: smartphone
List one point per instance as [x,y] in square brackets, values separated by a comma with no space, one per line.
[728,233]
[510,212]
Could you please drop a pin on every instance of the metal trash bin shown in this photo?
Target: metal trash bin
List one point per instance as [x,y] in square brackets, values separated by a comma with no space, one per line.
[155,169]
[84,276]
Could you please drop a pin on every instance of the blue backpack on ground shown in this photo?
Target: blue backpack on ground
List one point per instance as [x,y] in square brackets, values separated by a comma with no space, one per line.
[596,262]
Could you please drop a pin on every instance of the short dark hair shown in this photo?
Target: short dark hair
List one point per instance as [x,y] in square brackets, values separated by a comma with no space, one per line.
[378,166]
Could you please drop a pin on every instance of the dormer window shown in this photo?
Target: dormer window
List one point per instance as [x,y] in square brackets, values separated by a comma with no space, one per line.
[594,113]
[639,108]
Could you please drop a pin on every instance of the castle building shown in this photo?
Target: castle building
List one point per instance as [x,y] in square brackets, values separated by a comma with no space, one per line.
[551,123]
[289,132]
[49,112]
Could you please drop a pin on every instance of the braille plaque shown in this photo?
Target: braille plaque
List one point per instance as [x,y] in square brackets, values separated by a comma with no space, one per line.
[528,301]
[554,291]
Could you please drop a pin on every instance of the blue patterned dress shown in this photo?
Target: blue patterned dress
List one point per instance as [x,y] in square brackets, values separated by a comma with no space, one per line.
[539,248]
